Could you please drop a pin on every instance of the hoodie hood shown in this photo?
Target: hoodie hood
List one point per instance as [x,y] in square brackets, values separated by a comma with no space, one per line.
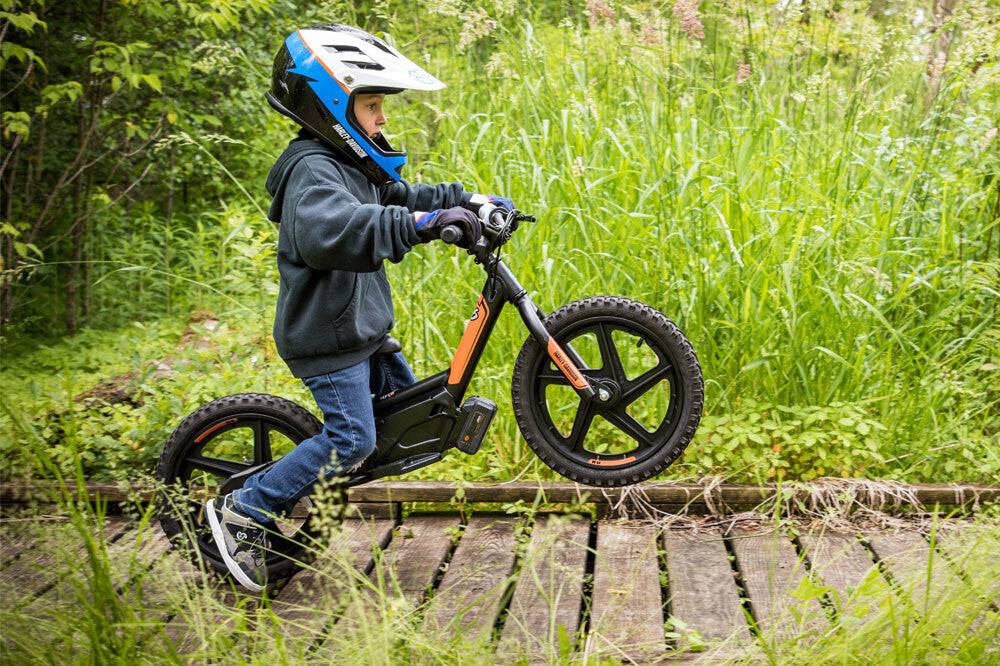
[299,147]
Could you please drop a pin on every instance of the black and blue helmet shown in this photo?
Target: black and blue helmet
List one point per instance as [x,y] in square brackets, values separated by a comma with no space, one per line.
[316,74]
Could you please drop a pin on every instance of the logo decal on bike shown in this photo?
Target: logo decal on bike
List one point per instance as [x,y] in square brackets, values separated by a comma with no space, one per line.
[566,365]
[610,463]
[473,331]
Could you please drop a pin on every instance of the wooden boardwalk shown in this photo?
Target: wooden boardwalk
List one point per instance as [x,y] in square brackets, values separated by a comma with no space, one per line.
[532,586]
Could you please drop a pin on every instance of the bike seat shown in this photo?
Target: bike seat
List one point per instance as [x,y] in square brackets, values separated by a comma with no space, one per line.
[389,346]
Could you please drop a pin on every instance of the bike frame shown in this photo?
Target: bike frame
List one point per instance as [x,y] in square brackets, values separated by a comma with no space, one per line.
[417,424]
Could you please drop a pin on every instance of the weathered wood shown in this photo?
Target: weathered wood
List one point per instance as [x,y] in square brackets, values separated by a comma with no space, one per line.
[470,594]
[627,607]
[305,605]
[415,556]
[38,568]
[907,557]
[702,585]
[972,549]
[656,493]
[549,589]
[15,538]
[968,547]
[309,600]
[771,569]
[220,615]
[838,560]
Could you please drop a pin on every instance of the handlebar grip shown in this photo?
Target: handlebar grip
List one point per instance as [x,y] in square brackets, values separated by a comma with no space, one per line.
[451,234]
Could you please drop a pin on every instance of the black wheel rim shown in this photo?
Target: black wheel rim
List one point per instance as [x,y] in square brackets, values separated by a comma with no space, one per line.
[248,438]
[636,441]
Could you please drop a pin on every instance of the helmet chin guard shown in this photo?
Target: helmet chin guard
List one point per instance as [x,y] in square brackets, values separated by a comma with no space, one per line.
[316,74]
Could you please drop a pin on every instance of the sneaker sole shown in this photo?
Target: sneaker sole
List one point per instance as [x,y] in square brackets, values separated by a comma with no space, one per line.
[220,541]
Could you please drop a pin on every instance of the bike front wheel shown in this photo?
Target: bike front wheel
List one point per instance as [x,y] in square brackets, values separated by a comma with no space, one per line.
[648,373]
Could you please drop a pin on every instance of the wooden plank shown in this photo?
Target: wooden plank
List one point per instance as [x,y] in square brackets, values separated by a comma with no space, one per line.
[907,557]
[702,584]
[627,608]
[549,589]
[38,568]
[17,536]
[971,548]
[415,556]
[310,598]
[304,605]
[665,492]
[838,560]
[135,553]
[771,568]
[966,546]
[471,592]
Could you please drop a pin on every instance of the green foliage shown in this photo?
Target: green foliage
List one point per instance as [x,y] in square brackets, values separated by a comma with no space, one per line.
[822,226]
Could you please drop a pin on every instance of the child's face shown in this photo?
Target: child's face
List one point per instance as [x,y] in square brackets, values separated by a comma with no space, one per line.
[368,111]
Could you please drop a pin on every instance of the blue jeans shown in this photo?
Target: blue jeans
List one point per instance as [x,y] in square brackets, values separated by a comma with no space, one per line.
[348,436]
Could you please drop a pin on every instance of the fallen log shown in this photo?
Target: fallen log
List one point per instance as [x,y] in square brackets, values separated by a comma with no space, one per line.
[720,496]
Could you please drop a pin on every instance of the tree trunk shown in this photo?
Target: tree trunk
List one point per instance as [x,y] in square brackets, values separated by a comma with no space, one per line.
[937,56]
[170,217]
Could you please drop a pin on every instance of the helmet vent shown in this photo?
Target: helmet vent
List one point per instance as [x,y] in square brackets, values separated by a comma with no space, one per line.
[377,43]
[362,64]
[336,48]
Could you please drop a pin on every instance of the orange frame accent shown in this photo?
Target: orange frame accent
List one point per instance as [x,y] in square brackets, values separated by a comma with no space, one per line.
[610,463]
[563,363]
[213,429]
[469,339]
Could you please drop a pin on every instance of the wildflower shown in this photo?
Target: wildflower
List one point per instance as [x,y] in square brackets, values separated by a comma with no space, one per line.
[505,7]
[499,65]
[598,13]
[650,36]
[577,167]
[986,141]
[445,7]
[686,11]
[742,71]
[476,25]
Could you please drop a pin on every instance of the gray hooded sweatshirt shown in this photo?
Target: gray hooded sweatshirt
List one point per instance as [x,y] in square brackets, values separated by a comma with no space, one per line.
[336,230]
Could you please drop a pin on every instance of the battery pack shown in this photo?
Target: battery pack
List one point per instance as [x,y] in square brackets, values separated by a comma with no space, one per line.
[477,414]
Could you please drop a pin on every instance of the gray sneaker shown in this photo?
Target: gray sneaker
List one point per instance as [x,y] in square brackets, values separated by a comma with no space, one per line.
[242,542]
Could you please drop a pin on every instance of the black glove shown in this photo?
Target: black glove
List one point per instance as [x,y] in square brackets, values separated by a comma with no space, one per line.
[477,200]
[430,225]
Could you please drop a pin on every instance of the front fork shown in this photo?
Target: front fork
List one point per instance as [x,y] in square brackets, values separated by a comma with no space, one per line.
[567,360]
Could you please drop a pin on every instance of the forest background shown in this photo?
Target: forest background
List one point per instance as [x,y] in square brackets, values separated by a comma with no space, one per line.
[809,189]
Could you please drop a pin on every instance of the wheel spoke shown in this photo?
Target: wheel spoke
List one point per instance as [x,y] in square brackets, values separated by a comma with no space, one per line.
[217,466]
[629,426]
[644,382]
[612,363]
[261,443]
[548,377]
[581,425]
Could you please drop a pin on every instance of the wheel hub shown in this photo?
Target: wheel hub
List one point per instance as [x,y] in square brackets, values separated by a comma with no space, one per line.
[608,392]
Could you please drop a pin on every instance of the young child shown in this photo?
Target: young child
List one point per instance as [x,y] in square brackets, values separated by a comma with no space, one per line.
[343,211]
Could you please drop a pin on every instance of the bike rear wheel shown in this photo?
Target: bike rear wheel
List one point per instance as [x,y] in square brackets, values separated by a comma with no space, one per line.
[222,438]
[644,364]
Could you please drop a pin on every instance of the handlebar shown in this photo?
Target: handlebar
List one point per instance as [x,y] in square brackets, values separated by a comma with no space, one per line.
[451,234]
[498,225]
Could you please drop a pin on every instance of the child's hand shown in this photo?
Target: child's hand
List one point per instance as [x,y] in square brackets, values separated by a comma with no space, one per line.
[430,225]
[478,200]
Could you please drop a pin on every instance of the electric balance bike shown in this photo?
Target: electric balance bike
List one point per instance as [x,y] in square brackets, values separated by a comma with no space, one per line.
[607,391]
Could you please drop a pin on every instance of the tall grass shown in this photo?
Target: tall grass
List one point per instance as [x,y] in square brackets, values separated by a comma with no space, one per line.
[823,230]
[113,603]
